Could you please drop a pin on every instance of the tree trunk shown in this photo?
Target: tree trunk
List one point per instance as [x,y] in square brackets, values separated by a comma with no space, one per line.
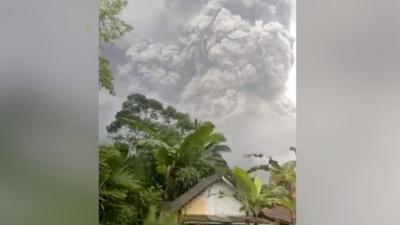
[170,182]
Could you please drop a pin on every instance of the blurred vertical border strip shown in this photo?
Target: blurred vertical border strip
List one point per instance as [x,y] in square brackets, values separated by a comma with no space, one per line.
[348,111]
[48,112]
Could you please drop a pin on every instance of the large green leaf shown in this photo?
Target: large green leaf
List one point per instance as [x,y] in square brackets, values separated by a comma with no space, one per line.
[111,194]
[216,137]
[196,142]
[244,183]
[258,185]
[125,177]
[141,126]
[155,143]
[164,157]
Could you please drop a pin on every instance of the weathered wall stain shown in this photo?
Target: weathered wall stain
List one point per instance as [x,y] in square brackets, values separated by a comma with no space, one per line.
[216,200]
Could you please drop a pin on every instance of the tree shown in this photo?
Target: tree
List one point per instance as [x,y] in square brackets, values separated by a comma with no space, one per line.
[124,196]
[282,175]
[285,176]
[116,182]
[167,150]
[199,152]
[111,28]
[105,76]
[254,195]
[110,25]
[148,118]
[156,133]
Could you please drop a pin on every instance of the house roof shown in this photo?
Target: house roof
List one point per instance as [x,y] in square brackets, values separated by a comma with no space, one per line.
[278,214]
[179,202]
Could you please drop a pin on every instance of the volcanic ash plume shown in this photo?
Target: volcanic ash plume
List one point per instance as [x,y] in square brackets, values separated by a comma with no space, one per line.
[221,62]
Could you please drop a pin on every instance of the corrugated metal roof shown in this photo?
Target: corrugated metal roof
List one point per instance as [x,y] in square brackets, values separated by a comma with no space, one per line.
[278,214]
[179,202]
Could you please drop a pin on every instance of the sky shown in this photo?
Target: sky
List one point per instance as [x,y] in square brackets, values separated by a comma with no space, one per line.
[231,62]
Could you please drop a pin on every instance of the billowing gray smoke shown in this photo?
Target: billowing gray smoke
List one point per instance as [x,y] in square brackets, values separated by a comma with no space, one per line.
[250,10]
[229,64]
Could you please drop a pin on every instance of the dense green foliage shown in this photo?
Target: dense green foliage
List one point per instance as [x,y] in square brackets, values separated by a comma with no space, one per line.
[285,176]
[282,176]
[164,218]
[105,76]
[159,148]
[255,195]
[159,153]
[124,195]
[178,151]
[196,156]
[148,118]
[111,28]
[110,25]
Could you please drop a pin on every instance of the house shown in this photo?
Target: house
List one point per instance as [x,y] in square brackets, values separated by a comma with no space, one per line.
[212,201]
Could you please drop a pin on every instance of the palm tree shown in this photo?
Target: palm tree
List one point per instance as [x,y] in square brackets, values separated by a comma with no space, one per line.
[198,153]
[116,182]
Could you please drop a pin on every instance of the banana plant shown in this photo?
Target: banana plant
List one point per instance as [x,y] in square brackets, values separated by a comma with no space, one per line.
[200,149]
[285,176]
[282,175]
[256,196]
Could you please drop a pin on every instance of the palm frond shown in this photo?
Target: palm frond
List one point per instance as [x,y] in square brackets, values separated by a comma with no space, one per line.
[140,126]
[154,143]
[125,177]
[244,183]
[198,138]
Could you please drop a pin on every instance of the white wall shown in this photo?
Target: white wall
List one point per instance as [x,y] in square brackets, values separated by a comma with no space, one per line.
[210,202]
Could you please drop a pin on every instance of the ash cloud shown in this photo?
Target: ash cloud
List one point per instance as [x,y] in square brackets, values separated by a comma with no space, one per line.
[228,63]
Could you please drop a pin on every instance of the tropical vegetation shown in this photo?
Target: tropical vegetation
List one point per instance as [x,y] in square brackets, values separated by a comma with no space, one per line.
[158,153]
[111,28]
[282,176]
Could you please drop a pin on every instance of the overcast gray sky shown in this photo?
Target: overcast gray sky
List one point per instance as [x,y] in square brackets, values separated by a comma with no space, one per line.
[228,61]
